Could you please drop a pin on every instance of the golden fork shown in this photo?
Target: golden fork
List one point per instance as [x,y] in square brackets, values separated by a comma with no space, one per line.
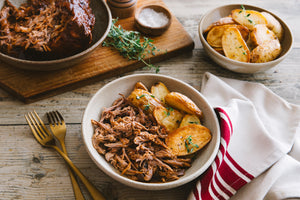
[43,136]
[59,130]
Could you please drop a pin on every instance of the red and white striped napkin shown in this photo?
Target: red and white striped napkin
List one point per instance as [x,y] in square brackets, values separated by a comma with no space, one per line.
[259,155]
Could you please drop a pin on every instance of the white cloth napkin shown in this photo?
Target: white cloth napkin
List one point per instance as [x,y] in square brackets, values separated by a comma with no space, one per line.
[259,155]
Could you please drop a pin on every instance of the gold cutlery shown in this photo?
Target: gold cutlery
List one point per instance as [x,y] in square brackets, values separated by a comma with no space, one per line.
[59,130]
[44,137]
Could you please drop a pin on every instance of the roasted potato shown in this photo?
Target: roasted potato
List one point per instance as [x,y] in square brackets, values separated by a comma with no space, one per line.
[248,18]
[219,50]
[167,117]
[214,36]
[159,90]
[188,139]
[261,34]
[266,52]
[274,25]
[140,85]
[183,103]
[189,119]
[221,21]
[144,100]
[234,46]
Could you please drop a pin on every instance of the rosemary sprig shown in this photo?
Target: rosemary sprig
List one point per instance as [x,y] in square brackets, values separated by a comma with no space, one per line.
[130,45]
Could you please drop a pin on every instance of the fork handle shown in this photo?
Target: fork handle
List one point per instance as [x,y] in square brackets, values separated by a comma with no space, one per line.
[76,189]
[92,189]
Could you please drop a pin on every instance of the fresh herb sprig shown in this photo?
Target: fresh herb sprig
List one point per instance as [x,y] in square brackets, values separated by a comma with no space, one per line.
[189,145]
[248,15]
[130,45]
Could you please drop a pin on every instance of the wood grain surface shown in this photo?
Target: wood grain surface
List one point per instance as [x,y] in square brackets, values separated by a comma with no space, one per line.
[103,62]
[28,171]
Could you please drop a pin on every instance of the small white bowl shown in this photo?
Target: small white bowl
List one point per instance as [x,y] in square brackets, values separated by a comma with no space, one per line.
[237,66]
[110,92]
[148,30]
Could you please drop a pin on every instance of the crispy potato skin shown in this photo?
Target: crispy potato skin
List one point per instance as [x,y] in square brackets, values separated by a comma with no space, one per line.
[219,50]
[183,103]
[261,34]
[234,46]
[140,85]
[221,21]
[274,25]
[144,100]
[159,90]
[189,119]
[168,118]
[248,18]
[188,139]
[214,36]
[266,52]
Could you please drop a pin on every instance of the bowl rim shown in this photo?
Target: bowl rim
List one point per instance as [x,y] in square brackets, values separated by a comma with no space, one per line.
[279,59]
[144,185]
[166,12]
[69,58]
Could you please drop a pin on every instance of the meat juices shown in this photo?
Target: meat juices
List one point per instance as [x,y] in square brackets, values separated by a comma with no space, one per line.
[46,29]
[134,144]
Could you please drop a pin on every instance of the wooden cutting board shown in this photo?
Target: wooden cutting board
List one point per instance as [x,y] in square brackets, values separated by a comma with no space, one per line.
[103,62]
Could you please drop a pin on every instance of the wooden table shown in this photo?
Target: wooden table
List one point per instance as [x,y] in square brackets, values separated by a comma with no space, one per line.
[28,171]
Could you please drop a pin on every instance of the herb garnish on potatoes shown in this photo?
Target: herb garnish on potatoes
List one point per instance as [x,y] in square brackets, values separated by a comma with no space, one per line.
[246,36]
[177,113]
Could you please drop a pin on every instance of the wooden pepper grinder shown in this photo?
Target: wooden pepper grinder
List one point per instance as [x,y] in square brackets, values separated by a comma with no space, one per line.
[122,8]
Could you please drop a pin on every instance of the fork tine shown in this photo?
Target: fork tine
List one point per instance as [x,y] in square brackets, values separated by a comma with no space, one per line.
[45,130]
[33,129]
[60,117]
[36,129]
[55,118]
[50,118]
[36,125]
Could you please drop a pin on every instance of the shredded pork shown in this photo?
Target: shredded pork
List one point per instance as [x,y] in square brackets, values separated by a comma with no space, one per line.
[45,29]
[134,144]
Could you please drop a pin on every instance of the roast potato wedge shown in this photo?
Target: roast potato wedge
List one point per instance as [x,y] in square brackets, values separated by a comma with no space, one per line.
[274,25]
[159,90]
[140,85]
[189,119]
[248,18]
[234,46]
[167,117]
[221,21]
[183,103]
[214,36]
[261,34]
[144,100]
[188,139]
[266,52]
[219,50]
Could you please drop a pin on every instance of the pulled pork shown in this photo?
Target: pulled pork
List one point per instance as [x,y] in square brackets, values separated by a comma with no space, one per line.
[134,144]
[45,29]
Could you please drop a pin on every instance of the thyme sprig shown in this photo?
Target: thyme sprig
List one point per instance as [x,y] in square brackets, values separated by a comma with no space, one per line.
[130,45]
[248,15]
[189,145]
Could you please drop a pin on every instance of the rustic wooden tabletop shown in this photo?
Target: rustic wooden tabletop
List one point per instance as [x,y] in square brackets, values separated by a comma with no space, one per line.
[28,171]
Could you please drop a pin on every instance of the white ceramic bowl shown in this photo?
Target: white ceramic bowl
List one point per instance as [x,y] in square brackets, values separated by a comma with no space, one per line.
[237,66]
[110,92]
[102,25]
